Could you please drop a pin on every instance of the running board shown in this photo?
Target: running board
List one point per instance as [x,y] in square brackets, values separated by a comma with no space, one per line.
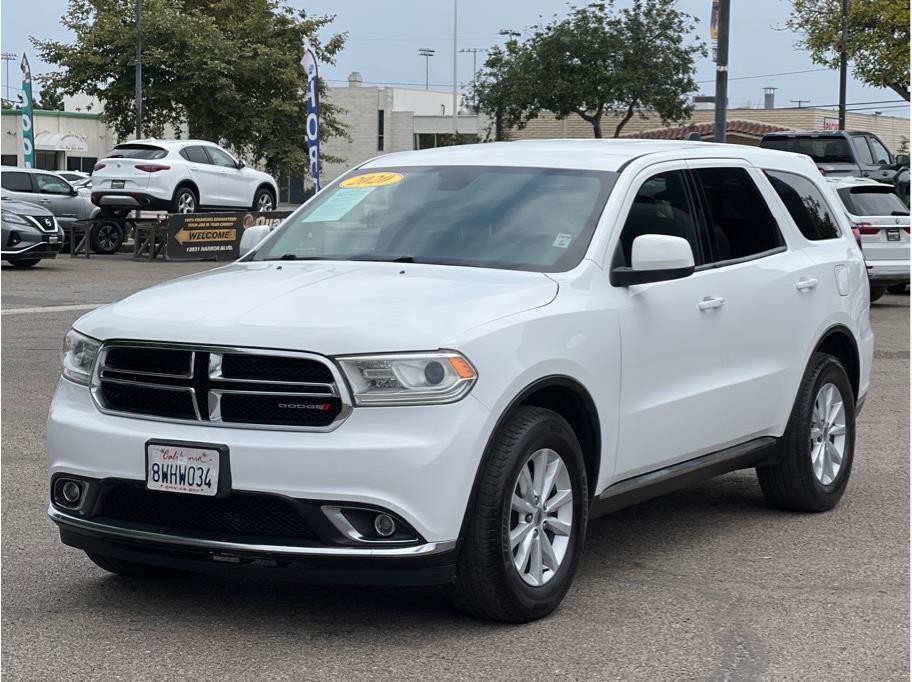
[758,452]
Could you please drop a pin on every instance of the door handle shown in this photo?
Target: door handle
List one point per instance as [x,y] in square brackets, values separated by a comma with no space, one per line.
[44,201]
[806,283]
[709,303]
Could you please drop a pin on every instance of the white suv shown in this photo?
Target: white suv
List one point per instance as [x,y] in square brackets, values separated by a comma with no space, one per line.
[181,176]
[440,368]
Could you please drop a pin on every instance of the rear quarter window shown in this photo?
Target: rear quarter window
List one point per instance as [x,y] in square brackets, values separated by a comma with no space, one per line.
[805,204]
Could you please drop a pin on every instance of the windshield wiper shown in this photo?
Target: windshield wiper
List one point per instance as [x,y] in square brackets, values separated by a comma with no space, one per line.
[383,259]
[899,213]
[291,256]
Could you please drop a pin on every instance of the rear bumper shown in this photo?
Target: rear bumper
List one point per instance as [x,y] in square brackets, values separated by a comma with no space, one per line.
[888,272]
[432,563]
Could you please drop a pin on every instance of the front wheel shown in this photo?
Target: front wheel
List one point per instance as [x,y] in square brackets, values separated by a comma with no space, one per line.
[527,523]
[898,289]
[263,200]
[106,238]
[819,443]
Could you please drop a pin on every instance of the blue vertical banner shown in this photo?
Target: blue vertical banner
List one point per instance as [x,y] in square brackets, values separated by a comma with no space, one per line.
[309,62]
[28,132]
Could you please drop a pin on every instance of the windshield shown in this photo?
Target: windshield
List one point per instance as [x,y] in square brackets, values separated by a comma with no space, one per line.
[137,151]
[869,201]
[537,219]
[821,149]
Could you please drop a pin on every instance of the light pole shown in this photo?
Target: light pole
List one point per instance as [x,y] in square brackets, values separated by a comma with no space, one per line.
[474,52]
[7,57]
[427,53]
[455,69]
[509,34]
[722,72]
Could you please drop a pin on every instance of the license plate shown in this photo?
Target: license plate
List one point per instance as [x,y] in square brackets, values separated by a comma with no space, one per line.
[52,239]
[893,235]
[117,184]
[183,469]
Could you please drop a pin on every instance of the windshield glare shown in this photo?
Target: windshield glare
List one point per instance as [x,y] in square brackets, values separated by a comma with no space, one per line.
[536,219]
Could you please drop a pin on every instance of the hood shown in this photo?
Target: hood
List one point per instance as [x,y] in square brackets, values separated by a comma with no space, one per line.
[23,207]
[325,307]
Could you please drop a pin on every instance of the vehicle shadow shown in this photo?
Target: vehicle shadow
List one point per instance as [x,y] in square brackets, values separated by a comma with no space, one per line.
[626,539]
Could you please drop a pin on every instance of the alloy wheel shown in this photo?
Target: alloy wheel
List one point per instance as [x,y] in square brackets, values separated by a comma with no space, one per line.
[265,202]
[186,203]
[108,237]
[540,517]
[828,434]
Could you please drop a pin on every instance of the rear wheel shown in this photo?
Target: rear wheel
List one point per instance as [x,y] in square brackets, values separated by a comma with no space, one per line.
[263,200]
[898,289]
[128,569]
[106,238]
[526,528]
[877,292]
[24,262]
[819,444]
[184,201]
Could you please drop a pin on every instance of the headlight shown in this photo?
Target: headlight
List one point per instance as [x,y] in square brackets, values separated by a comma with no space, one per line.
[9,217]
[78,356]
[408,378]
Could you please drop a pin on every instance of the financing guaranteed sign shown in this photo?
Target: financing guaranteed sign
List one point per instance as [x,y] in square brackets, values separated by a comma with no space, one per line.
[309,62]
[28,132]
[214,236]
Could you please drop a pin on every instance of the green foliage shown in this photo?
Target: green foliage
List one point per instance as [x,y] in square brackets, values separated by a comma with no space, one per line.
[878,45]
[49,100]
[228,69]
[594,61]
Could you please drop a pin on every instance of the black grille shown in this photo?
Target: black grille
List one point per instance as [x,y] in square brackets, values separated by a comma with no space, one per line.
[149,360]
[159,402]
[277,409]
[275,368]
[239,516]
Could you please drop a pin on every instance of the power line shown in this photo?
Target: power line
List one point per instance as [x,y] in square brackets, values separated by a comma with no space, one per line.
[767,75]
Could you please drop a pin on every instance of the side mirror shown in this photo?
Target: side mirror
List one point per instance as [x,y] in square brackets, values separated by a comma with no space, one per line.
[655,258]
[240,164]
[252,236]
[901,160]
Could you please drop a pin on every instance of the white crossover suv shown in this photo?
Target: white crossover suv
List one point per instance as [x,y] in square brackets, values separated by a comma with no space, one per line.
[181,176]
[442,367]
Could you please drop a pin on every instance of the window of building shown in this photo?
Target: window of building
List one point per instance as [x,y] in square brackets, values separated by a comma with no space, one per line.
[16,182]
[84,164]
[740,222]
[380,130]
[661,206]
[805,204]
[45,160]
[8,160]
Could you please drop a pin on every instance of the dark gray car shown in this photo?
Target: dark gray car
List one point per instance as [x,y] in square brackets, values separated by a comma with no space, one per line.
[29,233]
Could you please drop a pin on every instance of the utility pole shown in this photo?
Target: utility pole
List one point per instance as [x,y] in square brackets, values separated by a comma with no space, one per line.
[474,52]
[138,69]
[455,63]
[427,53]
[843,64]
[722,71]
[7,57]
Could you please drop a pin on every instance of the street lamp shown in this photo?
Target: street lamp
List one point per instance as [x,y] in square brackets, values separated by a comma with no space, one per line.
[427,53]
[7,57]
[508,33]
[474,52]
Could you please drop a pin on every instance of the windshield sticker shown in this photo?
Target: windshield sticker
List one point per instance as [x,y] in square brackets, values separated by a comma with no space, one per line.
[372,180]
[562,241]
[338,205]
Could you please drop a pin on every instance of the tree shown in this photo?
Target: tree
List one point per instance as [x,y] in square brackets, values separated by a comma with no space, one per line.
[49,100]
[230,70]
[878,44]
[594,61]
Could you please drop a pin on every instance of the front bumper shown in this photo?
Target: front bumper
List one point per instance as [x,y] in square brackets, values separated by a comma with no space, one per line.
[417,462]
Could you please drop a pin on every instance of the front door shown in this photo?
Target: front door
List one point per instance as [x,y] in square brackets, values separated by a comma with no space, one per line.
[233,181]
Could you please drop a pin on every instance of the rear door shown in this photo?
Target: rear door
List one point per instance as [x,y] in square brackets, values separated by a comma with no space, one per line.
[205,174]
[18,185]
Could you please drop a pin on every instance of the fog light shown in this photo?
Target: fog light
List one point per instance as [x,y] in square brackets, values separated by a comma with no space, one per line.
[384,525]
[71,492]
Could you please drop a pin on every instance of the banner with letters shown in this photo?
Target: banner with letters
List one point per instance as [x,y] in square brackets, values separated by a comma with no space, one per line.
[28,131]
[309,62]
[214,236]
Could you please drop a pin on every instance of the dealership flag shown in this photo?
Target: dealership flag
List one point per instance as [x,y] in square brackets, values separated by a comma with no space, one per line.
[309,62]
[28,135]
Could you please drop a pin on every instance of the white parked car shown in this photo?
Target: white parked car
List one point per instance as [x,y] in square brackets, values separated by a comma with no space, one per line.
[181,176]
[881,220]
[449,361]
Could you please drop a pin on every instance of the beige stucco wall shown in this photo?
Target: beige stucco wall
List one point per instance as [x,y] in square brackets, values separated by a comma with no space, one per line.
[88,129]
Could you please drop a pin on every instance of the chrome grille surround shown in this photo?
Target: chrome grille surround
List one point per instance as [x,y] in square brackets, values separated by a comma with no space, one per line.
[334,390]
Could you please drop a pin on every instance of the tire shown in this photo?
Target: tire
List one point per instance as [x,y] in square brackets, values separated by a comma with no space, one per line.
[106,237]
[263,200]
[184,201]
[128,569]
[877,292]
[25,262]
[897,289]
[793,483]
[488,584]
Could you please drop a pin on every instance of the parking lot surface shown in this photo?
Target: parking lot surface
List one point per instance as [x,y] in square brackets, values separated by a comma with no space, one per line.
[705,584]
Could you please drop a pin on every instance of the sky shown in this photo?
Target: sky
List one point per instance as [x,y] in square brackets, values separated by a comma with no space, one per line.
[384,38]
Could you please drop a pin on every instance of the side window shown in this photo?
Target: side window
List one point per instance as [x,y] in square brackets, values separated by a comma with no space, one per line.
[51,184]
[740,222]
[862,151]
[195,153]
[661,206]
[220,158]
[805,204]
[16,182]
[881,155]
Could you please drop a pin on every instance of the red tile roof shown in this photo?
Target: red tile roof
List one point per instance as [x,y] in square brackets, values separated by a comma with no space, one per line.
[737,126]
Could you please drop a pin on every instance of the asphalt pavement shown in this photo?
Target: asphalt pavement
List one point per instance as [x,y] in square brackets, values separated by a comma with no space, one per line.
[704,584]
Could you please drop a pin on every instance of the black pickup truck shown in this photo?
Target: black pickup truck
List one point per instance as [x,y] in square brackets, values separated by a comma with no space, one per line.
[841,152]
